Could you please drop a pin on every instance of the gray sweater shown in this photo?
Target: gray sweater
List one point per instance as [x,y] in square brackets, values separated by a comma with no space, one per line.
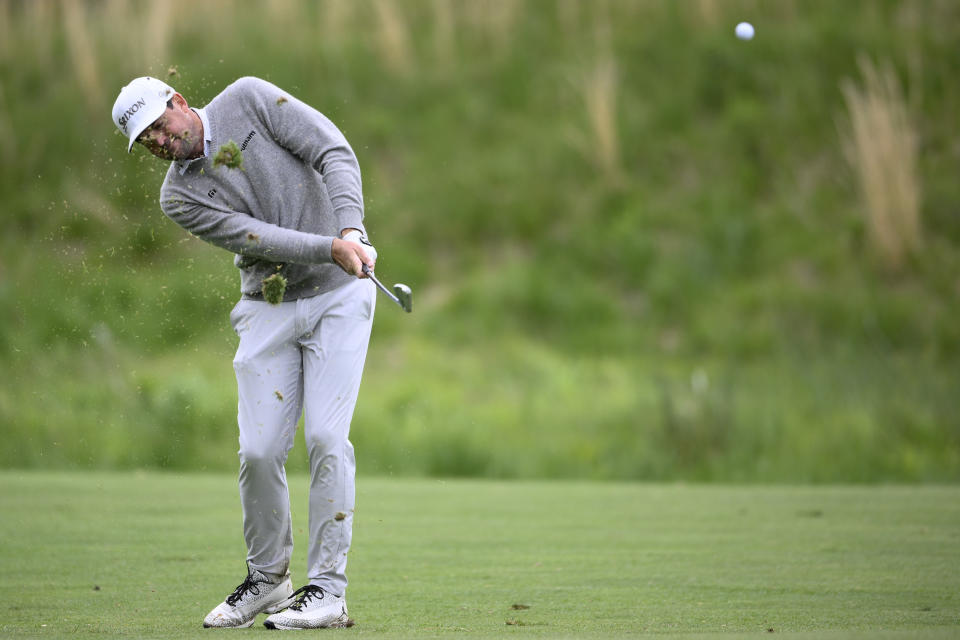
[298,188]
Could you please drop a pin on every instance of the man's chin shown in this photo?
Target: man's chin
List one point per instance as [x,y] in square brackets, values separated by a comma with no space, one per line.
[173,157]
[163,154]
[175,152]
[182,153]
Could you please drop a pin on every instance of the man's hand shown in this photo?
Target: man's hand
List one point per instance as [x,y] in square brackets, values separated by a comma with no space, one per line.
[352,255]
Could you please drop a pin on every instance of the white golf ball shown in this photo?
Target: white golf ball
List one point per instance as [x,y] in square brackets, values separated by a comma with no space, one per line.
[745,31]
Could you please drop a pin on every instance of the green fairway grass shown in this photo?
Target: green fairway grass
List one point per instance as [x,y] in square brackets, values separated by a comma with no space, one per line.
[148,554]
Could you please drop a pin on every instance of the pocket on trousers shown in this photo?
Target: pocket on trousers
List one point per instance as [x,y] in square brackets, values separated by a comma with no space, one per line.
[367,301]
[236,316]
[359,301]
[346,323]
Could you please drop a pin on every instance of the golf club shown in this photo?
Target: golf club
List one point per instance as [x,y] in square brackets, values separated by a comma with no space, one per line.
[401,292]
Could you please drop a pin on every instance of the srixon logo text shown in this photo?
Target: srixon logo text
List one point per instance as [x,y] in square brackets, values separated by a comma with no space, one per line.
[125,118]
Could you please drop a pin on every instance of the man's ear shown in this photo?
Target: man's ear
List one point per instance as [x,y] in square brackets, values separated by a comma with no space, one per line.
[179,102]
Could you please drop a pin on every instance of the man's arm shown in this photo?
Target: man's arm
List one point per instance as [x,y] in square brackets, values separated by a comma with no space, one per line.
[313,138]
[245,235]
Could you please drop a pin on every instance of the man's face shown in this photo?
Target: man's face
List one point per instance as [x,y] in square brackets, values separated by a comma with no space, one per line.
[175,135]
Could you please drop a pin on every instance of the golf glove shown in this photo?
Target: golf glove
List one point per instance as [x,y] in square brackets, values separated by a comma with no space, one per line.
[359,238]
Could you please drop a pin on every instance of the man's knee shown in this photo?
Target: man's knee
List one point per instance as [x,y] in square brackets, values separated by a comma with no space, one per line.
[324,444]
[262,458]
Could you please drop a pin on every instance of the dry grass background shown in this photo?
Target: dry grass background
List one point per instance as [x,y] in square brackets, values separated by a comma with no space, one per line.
[881,146]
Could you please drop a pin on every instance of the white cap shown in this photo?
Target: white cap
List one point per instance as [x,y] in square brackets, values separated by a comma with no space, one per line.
[139,104]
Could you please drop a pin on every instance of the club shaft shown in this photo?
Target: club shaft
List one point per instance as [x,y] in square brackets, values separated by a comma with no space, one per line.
[380,286]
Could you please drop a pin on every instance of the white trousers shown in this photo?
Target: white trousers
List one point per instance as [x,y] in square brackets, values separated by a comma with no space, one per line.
[300,356]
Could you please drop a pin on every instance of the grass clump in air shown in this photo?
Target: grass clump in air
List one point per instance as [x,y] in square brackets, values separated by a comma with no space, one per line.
[229,156]
[273,288]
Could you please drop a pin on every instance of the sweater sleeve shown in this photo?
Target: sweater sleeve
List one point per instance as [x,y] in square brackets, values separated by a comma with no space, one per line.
[313,138]
[243,234]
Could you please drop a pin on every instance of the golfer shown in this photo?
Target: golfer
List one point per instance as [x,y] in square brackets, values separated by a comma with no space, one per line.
[270,179]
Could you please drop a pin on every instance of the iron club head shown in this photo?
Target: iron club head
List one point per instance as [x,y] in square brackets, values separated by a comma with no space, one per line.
[404,296]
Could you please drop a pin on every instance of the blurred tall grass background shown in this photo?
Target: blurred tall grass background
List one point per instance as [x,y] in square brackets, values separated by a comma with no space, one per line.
[640,248]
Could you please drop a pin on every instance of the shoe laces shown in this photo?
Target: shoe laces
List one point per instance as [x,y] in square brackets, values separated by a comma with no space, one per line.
[303,595]
[248,585]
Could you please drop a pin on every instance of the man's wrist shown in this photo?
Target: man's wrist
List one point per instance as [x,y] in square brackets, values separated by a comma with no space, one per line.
[325,249]
[355,235]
